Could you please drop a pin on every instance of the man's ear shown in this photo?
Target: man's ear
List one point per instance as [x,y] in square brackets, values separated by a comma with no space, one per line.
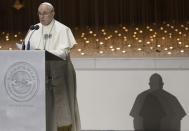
[53,13]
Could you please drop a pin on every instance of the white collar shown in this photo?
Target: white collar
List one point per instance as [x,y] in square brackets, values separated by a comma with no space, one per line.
[49,26]
[48,29]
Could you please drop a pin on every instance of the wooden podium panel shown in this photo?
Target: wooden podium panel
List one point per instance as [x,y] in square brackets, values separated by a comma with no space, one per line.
[22,91]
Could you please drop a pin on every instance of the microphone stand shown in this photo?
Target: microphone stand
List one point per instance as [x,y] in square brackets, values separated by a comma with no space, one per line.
[34,28]
[23,43]
[28,44]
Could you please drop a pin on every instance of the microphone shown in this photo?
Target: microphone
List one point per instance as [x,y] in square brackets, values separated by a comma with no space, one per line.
[34,28]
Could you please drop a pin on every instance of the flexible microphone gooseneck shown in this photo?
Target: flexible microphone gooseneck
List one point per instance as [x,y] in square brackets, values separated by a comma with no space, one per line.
[32,27]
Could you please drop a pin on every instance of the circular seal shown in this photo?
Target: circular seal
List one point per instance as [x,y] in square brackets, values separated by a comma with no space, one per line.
[21,81]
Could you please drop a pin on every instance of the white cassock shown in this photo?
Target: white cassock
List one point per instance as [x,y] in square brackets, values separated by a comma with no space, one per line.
[55,38]
[61,91]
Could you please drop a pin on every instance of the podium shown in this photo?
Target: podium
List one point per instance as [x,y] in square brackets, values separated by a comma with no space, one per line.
[23,78]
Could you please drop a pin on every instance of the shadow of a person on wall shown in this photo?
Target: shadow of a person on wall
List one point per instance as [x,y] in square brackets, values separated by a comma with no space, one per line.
[157,110]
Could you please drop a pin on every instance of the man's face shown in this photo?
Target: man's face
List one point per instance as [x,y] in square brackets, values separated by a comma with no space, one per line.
[46,14]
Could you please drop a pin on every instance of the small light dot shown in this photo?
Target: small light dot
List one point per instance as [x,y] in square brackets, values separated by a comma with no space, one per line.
[139,49]
[140,41]
[101,43]
[118,48]
[182,51]
[82,53]
[182,26]
[171,47]
[79,50]
[148,42]
[165,48]
[90,32]
[82,35]
[112,49]
[151,30]
[101,52]
[119,34]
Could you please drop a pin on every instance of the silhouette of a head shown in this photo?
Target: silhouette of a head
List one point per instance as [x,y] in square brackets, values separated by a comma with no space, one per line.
[156,81]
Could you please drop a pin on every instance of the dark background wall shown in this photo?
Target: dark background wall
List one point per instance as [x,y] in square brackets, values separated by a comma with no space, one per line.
[79,13]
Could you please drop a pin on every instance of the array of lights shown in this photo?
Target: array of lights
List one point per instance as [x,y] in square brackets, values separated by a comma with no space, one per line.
[123,41]
[8,40]
[154,40]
